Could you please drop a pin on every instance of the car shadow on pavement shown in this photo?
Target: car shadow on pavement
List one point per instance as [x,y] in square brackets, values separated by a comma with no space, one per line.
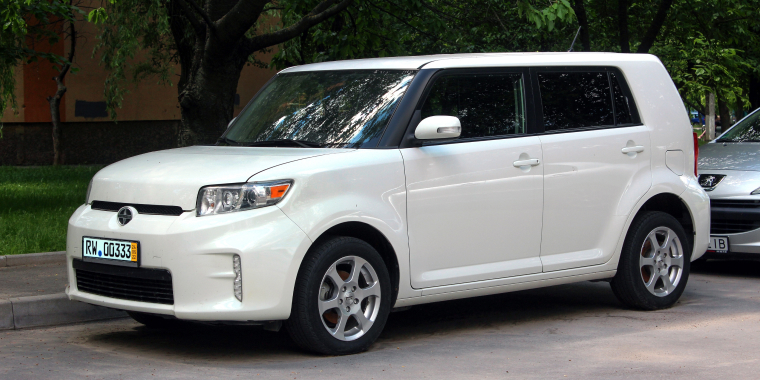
[735,268]
[199,342]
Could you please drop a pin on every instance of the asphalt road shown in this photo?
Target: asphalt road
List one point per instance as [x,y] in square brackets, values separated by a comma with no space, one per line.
[577,331]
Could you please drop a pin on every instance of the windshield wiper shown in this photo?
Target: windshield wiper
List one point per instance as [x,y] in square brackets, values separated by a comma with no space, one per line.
[301,143]
[227,141]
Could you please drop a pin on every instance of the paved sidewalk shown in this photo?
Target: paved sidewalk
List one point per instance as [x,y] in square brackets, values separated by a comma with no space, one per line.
[32,294]
[32,280]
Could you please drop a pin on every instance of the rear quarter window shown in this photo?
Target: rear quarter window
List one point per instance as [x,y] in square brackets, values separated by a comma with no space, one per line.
[578,99]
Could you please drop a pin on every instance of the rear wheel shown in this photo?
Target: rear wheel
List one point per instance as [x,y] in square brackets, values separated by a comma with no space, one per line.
[654,263]
[342,298]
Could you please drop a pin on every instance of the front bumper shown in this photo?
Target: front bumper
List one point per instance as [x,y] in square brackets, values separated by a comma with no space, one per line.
[198,252]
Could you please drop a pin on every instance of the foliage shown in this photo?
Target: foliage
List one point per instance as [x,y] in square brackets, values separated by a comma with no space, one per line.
[35,206]
[24,24]
[393,28]
[129,28]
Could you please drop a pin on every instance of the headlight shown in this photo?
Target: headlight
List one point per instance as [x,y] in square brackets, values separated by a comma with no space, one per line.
[89,188]
[221,199]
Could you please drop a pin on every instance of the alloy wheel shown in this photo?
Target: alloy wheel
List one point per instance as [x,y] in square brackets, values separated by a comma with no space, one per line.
[349,298]
[661,261]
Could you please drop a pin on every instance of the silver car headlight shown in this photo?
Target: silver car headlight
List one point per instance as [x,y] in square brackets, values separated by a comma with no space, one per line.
[222,199]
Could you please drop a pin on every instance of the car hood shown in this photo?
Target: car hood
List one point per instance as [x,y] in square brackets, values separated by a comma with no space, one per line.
[174,177]
[730,156]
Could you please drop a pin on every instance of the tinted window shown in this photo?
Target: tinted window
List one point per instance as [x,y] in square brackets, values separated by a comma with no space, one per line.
[575,99]
[746,131]
[486,104]
[622,102]
[327,108]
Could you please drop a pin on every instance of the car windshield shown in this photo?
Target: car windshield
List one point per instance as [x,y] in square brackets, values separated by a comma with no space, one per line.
[748,130]
[343,109]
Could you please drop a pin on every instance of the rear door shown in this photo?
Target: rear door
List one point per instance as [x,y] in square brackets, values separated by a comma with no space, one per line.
[596,157]
[474,204]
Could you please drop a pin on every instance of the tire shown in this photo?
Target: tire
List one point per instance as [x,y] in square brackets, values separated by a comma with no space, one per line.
[650,275]
[318,320]
[153,321]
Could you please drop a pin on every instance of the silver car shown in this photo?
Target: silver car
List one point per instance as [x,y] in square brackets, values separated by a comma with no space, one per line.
[729,170]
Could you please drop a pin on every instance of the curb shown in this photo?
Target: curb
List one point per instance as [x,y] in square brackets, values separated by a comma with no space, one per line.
[50,310]
[33,259]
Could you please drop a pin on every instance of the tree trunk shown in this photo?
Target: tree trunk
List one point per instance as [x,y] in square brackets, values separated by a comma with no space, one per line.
[654,28]
[710,116]
[725,114]
[55,113]
[754,93]
[213,48]
[625,46]
[580,12]
[55,100]
[207,103]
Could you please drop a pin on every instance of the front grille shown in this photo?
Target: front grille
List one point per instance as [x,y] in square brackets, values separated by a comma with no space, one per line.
[134,284]
[142,209]
[722,226]
[738,203]
[733,216]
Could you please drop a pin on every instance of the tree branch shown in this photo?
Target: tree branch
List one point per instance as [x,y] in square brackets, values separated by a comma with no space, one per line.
[239,20]
[321,12]
[580,12]
[654,27]
[201,12]
[198,26]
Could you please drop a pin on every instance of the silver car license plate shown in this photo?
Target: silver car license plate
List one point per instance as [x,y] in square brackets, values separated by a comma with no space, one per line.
[718,244]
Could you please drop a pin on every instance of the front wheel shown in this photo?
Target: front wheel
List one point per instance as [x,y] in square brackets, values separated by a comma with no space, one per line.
[341,299]
[654,263]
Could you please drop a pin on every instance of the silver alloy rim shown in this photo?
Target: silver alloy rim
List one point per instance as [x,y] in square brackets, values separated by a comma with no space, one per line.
[349,298]
[661,261]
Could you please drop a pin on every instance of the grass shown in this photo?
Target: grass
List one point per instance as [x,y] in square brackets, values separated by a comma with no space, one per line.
[36,203]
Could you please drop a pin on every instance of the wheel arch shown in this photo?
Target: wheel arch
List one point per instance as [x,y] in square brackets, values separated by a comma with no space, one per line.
[373,237]
[675,206]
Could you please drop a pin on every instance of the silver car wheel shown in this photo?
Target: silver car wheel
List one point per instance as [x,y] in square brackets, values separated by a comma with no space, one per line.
[661,261]
[349,298]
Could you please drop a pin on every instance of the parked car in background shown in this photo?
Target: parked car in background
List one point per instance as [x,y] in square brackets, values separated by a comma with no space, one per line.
[345,189]
[729,170]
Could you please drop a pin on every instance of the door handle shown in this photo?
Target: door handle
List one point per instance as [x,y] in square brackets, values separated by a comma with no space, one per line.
[632,149]
[531,162]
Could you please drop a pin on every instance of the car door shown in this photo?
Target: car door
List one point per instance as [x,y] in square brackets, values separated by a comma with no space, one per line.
[596,164]
[474,204]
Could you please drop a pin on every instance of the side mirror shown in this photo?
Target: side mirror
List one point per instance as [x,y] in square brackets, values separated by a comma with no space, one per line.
[231,121]
[438,127]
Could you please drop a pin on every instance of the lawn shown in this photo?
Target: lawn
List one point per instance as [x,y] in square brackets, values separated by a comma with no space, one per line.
[36,203]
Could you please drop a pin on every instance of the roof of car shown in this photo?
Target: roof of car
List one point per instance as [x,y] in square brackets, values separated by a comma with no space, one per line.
[474,60]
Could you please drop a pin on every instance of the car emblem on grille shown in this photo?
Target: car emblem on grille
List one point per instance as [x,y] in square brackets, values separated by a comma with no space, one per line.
[124,215]
[709,181]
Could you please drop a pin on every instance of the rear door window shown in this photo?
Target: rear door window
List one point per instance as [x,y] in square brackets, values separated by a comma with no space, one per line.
[487,104]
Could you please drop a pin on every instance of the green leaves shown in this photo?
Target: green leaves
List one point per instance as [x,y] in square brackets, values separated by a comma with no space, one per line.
[97,16]
[25,22]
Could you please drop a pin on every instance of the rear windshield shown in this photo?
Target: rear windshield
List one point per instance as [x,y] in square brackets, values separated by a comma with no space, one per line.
[337,109]
[747,130]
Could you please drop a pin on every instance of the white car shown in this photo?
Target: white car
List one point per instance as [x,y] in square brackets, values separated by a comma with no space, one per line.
[346,189]
[729,170]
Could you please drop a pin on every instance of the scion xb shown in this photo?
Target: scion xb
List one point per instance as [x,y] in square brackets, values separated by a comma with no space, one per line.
[346,189]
